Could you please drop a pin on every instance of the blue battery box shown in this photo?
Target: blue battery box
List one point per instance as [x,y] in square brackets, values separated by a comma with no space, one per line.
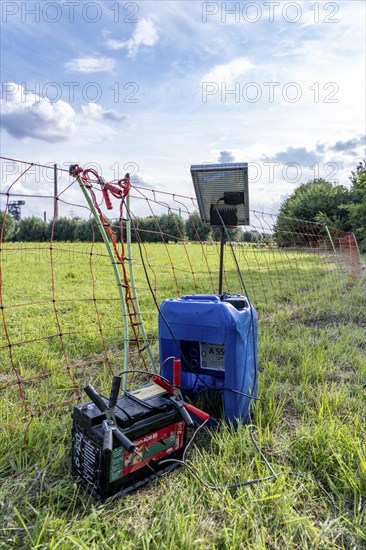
[215,337]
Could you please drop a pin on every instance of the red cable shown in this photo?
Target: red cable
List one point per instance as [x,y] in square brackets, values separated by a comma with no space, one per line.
[119,191]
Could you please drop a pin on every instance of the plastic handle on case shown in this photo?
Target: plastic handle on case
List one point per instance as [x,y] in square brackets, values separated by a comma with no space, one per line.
[202,415]
[95,397]
[107,199]
[116,384]
[201,298]
[162,383]
[108,441]
[124,441]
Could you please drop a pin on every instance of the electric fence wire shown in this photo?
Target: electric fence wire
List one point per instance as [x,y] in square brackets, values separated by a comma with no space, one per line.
[191,468]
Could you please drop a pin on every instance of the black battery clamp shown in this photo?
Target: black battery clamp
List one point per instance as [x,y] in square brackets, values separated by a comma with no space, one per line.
[110,426]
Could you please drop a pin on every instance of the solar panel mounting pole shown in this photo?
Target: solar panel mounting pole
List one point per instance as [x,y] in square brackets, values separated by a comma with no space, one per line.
[222,248]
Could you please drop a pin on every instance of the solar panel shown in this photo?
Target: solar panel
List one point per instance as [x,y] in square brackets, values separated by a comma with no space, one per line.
[211,182]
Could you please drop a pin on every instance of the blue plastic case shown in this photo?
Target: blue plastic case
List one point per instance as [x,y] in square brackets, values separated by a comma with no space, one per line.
[216,339]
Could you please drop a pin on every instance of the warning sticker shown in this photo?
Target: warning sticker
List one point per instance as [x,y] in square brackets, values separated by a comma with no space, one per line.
[212,356]
[147,391]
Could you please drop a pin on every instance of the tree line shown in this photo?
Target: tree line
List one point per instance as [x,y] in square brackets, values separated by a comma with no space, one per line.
[152,229]
[315,201]
[323,202]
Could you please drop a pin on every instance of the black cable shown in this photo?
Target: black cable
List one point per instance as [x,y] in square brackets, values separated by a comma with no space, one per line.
[251,426]
[198,377]
[252,327]
[193,470]
[192,439]
[211,388]
[156,302]
[246,294]
[245,483]
[224,388]
[248,482]
[218,388]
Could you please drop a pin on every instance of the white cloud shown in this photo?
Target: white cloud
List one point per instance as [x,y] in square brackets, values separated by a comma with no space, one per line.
[90,65]
[228,72]
[225,157]
[115,44]
[145,34]
[98,112]
[27,115]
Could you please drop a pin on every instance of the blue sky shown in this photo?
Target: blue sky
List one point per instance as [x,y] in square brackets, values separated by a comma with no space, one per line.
[158,86]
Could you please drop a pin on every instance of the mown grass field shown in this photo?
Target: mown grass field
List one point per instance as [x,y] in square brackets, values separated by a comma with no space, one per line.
[312,364]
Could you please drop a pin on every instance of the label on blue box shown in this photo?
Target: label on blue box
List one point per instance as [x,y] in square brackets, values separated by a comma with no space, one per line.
[212,356]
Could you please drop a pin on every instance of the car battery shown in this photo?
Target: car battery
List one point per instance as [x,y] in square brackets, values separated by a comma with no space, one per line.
[148,418]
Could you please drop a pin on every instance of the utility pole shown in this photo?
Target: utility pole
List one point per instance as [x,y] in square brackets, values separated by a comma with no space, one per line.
[55,192]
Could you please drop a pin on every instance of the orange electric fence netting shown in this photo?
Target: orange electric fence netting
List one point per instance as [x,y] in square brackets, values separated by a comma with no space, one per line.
[61,323]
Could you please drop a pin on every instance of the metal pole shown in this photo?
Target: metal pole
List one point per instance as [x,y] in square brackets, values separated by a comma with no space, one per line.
[358,251]
[336,255]
[55,192]
[133,287]
[221,269]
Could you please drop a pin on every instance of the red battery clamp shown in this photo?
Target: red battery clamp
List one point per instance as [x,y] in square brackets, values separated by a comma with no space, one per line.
[174,389]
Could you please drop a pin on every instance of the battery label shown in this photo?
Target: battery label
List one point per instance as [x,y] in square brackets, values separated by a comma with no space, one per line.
[147,391]
[212,356]
[155,445]
[116,461]
[86,456]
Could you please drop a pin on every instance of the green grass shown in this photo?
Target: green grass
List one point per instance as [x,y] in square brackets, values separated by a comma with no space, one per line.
[312,362]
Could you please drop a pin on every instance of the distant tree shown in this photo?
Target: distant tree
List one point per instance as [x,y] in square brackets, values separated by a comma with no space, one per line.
[251,236]
[356,210]
[315,197]
[87,231]
[83,231]
[317,200]
[267,238]
[149,230]
[195,229]
[235,234]
[33,229]
[9,226]
[64,229]
[172,226]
